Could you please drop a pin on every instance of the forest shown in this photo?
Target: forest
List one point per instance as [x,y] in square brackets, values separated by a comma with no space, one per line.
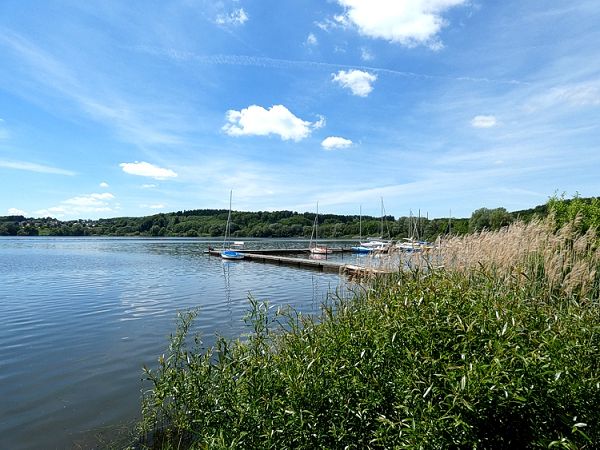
[288,224]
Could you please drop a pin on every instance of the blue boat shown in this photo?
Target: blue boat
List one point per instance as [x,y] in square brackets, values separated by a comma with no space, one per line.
[362,249]
[227,252]
[231,254]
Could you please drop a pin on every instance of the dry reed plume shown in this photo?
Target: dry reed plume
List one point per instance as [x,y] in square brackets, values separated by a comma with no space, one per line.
[565,261]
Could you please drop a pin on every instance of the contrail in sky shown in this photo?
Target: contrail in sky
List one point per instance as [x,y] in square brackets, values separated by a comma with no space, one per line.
[262,61]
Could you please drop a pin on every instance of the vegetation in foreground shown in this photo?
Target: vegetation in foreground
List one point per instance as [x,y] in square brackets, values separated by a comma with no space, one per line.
[500,348]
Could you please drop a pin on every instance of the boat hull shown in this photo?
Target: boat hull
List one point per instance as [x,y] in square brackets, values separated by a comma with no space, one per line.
[321,251]
[361,249]
[231,255]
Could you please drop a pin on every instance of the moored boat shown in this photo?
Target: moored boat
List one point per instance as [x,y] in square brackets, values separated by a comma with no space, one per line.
[231,254]
[314,247]
[229,251]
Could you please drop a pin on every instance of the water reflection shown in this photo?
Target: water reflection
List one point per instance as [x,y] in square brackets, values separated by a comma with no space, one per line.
[79,317]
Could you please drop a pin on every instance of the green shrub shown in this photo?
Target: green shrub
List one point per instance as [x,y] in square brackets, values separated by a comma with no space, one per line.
[443,360]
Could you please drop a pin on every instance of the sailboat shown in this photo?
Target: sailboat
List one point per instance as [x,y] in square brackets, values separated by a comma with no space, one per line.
[360,248]
[228,252]
[316,249]
[378,245]
[413,243]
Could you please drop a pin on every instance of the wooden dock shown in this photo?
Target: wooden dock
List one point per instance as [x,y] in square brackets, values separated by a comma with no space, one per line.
[289,251]
[323,265]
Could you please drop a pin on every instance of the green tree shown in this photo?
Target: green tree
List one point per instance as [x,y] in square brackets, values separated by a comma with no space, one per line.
[489,219]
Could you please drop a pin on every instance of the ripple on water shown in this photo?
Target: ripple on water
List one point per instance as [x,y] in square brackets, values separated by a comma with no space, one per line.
[79,318]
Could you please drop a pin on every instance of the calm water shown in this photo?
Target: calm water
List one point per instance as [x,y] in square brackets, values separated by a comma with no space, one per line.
[79,317]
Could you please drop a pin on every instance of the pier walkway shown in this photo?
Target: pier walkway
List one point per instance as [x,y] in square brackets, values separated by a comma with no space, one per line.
[273,256]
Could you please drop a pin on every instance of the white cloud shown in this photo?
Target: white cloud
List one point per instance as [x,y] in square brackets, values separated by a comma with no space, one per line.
[16,212]
[483,121]
[409,23]
[104,184]
[575,95]
[357,81]
[155,206]
[366,55]
[77,207]
[333,142]
[237,17]
[90,200]
[312,40]
[145,169]
[319,123]
[578,95]
[338,21]
[54,211]
[33,167]
[148,186]
[258,121]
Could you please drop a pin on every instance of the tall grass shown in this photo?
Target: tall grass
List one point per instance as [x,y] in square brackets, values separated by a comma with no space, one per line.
[500,348]
[564,262]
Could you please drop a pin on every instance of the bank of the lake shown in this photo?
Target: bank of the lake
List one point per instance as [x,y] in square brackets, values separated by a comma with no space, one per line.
[499,348]
[80,317]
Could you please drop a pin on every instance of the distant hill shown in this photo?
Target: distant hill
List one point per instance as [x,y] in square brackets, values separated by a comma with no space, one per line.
[276,224]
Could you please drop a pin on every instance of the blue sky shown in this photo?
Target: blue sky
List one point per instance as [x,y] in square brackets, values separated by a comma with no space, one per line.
[115,108]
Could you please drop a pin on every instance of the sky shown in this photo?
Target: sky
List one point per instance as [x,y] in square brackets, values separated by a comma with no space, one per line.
[113,108]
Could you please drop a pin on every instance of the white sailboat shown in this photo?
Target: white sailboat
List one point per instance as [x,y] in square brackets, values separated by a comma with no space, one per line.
[228,252]
[314,248]
[413,243]
[378,245]
[361,248]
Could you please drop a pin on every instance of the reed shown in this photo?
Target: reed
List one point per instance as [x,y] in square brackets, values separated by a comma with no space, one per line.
[491,342]
[564,262]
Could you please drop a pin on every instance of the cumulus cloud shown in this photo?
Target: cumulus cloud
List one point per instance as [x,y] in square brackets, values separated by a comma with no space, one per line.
[409,23]
[366,55]
[237,17]
[357,81]
[333,142]
[90,199]
[319,123]
[258,121]
[483,122]
[16,212]
[338,21]
[145,169]
[312,40]
[104,184]
[87,204]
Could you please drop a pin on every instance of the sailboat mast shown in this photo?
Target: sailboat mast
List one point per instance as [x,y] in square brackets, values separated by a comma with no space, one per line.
[228,220]
[360,224]
[381,217]
[317,225]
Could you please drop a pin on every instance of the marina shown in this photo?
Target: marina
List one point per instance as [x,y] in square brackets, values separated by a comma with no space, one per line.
[315,262]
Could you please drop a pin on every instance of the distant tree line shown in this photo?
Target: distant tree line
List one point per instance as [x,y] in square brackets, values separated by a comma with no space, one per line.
[285,224]
[211,223]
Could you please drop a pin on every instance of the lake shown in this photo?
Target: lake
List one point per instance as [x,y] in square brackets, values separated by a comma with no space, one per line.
[80,317]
